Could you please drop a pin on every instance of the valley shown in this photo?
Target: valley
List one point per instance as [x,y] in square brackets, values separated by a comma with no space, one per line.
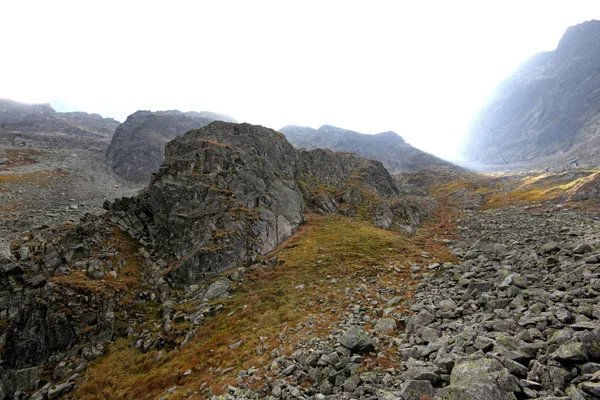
[183,255]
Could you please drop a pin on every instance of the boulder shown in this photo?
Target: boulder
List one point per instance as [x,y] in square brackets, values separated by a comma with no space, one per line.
[357,340]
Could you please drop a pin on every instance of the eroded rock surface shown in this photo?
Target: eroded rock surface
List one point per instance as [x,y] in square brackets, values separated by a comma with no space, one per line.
[137,147]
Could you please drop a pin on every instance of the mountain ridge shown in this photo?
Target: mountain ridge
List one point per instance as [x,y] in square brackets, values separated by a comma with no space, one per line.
[388,147]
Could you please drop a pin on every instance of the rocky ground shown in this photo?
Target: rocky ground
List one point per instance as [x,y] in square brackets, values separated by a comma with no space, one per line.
[49,187]
[516,318]
[482,288]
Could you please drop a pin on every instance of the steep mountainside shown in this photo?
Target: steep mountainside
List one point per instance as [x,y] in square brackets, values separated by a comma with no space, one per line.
[137,148]
[39,125]
[550,106]
[387,147]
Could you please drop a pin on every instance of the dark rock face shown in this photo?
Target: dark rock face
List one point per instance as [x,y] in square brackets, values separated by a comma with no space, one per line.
[137,148]
[39,125]
[548,107]
[229,192]
[388,147]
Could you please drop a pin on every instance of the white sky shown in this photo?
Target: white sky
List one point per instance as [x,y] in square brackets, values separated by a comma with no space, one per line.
[419,68]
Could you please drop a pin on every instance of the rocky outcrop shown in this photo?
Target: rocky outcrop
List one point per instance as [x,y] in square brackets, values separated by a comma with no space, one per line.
[137,148]
[388,147]
[230,192]
[548,107]
[39,125]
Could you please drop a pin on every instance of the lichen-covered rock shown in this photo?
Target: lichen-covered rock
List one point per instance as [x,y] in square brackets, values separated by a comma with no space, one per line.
[481,379]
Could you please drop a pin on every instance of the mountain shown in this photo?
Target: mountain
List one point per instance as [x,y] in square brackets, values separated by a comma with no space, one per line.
[137,148]
[39,125]
[547,108]
[387,147]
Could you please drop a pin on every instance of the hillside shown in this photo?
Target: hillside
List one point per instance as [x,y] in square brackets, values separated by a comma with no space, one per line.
[137,148]
[52,168]
[39,125]
[249,269]
[548,110]
[387,147]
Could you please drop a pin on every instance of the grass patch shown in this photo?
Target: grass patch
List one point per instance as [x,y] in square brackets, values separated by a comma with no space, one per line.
[519,189]
[274,307]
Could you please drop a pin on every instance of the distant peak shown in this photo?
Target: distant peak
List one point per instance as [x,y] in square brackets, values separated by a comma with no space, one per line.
[580,37]
[389,134]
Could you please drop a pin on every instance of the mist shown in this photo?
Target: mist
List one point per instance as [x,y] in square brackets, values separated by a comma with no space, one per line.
[421,70]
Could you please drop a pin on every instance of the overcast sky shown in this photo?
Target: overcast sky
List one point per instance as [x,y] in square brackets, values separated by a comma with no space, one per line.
[419,68]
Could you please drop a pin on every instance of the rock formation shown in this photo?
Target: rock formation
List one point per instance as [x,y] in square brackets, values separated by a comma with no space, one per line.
[548,107]
[137,148]
[387,147]
[229,192]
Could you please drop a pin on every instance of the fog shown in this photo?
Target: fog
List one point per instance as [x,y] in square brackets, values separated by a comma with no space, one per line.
[421,69]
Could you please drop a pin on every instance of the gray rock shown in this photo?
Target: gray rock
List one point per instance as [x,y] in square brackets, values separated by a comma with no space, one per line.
[6,256]
[570,352]
[423,318]
[217,290]
[357,340]
[416,390]
[481,379]
[385,325]
[592,388]
[582,249]
[480,286]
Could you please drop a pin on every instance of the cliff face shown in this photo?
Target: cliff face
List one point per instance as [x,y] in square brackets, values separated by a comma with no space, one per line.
[387,147]
[548,107]
[137,148]
[39,125]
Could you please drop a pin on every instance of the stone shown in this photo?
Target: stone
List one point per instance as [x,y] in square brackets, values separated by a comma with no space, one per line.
[570,352]
[480,286]
[416,390]
[6,256]
[592,388]
[357,340]
[423,318]
[385,325]
[351,383]
[217,290]
[448,304]
[429,335]
[481,379]
[582,249]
